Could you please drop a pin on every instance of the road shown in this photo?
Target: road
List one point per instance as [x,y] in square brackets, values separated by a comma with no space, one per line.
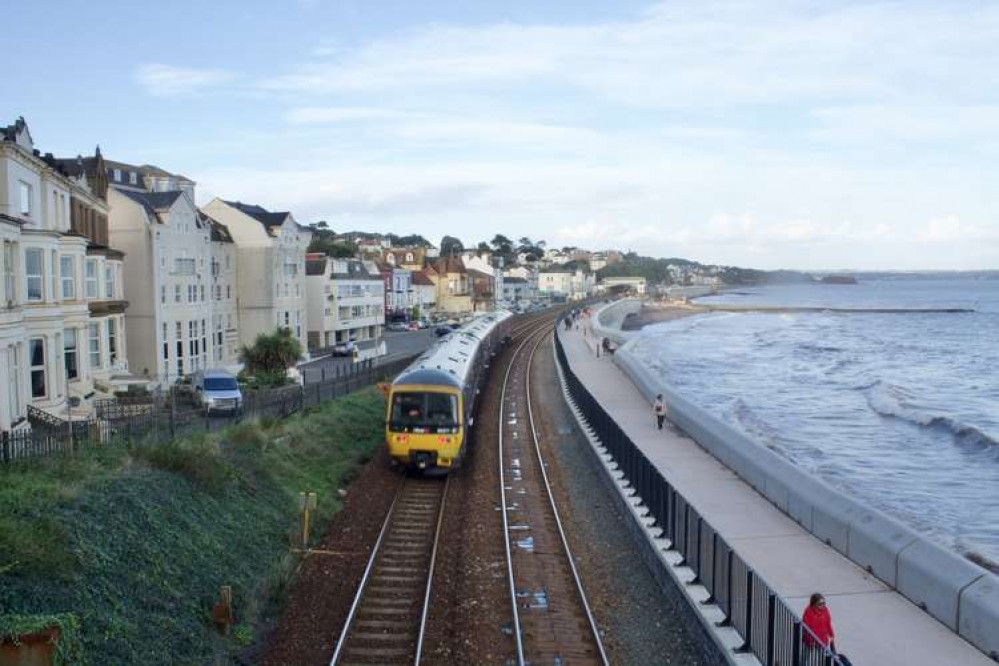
[398,345]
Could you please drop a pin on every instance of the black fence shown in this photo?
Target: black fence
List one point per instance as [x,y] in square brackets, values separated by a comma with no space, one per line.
[138,421]
[769,628]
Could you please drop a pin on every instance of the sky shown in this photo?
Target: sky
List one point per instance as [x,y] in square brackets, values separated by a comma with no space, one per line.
[806,135]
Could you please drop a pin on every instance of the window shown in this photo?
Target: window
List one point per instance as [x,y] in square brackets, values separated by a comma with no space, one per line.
[163,294]
[117,175]
[14,381]
[109,282]
[90,278]
[112,341]
[66,268]
[166,342]
[69,349]
[228,292]
[183,266]
[36,355]
[7,272]
[33,270]
[95,344]
[25,198]
[218,292]
[133,178]
[53,276]
[202,293]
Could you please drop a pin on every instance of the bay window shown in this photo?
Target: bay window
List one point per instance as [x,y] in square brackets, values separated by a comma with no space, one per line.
[90,279]
[36,360]
[95,345]
[69,352]
[34,272]
[66,272]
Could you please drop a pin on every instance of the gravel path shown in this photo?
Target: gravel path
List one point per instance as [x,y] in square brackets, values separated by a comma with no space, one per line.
[640,624]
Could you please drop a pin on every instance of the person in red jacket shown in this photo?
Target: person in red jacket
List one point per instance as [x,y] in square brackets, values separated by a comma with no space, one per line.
[819,621]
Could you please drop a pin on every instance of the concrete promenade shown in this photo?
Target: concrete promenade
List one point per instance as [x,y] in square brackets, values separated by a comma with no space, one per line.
[874,625]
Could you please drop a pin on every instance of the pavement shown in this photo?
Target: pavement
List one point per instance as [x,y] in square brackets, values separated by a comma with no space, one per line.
[873,623]
[398,345]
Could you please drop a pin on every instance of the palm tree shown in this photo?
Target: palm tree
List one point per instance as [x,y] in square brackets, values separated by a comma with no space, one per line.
[271,353]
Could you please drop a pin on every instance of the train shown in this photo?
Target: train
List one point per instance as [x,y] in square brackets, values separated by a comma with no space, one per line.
[430,404]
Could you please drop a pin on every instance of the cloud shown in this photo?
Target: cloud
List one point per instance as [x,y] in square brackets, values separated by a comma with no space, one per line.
[687,55]
[323,115]
[169,81]
[950,229]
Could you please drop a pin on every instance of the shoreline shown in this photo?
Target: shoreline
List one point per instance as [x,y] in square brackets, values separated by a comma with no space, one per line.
[655,314]
[658,313]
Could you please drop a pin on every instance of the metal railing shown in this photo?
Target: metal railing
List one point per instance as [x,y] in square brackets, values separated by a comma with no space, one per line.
[132,421]
[769,628]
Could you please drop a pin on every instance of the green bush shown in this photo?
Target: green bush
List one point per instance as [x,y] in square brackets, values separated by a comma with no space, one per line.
[198,458]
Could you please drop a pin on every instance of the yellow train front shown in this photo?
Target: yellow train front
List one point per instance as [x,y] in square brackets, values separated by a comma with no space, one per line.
[431,403]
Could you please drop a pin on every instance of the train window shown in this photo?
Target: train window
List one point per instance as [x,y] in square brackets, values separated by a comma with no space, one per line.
[424,412]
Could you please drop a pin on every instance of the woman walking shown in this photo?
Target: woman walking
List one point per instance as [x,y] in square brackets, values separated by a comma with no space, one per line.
[659,409]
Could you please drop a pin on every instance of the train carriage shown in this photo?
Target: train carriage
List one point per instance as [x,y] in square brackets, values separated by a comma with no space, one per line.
[431,402]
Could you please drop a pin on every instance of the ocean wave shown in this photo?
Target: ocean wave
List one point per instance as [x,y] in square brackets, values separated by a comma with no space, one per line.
[891,400]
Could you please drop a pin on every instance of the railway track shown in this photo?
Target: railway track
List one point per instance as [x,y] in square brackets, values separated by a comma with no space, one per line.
[552,620]
[387,619]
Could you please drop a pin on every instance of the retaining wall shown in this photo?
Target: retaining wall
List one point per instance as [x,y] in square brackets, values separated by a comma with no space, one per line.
[957,592]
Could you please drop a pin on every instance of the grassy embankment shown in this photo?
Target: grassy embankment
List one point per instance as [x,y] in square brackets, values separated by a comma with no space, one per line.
[135,544]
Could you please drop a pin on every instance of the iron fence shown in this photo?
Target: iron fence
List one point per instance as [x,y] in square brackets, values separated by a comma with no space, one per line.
[139,421]
[769,628]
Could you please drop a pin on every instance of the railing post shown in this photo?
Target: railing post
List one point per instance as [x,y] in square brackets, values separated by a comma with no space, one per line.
[747,645]
[796,644]
[714,569]
[771,626]
[729,558]
[686,536]
[697,555]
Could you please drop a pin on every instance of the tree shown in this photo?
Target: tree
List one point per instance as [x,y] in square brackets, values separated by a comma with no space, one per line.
[451,245]
[271,354]
[484,247]
[501,244]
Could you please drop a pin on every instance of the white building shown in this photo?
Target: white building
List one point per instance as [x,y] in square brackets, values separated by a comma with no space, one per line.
[224,296]
[60,289]
[424,294]
[635,284]
[345,301]
[271,277]
[517,290]
[559,281]
[167,281]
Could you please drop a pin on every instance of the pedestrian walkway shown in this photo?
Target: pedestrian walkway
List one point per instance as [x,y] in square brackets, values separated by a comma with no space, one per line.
[873,623]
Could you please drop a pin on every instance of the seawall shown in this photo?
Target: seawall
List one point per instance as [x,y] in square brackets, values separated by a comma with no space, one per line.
[957,592]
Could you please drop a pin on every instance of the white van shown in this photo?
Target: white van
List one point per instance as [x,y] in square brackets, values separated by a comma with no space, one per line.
[217,391]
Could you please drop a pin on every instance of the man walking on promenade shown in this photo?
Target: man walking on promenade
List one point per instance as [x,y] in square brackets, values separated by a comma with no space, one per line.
[659,409]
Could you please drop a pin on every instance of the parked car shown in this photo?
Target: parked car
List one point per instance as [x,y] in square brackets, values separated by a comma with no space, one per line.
[422,323]
[441,331]
[397,326]
[412,326]
[344,348]
[217,391]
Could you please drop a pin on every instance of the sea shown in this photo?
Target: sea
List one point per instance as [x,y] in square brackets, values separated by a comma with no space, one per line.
[898,410]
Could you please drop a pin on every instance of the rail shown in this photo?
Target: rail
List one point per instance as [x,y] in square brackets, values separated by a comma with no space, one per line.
[388,617]
[583,644]
[770,630]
